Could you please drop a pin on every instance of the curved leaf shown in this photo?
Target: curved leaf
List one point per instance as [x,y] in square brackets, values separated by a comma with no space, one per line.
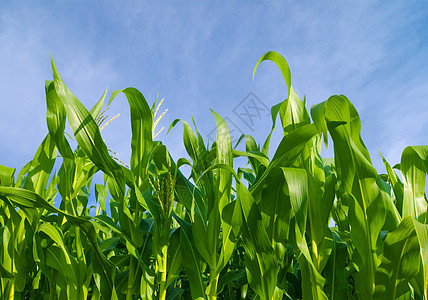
[86,130]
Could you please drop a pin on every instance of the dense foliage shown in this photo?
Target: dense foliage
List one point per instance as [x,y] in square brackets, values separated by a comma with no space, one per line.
[260,232]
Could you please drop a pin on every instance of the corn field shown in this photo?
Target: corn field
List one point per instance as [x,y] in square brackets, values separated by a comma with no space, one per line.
[257,232]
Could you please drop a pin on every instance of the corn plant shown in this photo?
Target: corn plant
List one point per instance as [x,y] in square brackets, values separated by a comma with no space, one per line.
[256,232]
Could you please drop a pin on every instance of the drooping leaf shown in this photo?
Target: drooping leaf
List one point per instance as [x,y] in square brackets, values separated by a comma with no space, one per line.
[358,183]
[141,128]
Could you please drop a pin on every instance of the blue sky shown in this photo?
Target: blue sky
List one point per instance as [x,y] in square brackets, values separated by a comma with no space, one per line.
[200,55]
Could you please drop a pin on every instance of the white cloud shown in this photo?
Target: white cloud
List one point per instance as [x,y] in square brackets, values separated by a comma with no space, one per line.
[200,56]
[26,45]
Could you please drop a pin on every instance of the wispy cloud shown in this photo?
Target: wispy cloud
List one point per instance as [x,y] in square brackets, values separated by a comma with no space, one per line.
[24,55]
[200,56]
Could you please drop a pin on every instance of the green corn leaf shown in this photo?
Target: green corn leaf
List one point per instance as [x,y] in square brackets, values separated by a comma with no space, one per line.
[109,244]
[393,217]
[5,273]
[255,157]
[422,233]
[223,185]
[282,64]
[102,266]
[230,276]
[86,130]
[101,195]
[153,207]
[312,281]
[249,174]
[7,176]
[141,128]
[414,167]
[147,285]
[20,181]
[192,260]
[260,260]
[186,192]
[297,183]
[232,215]
[83,272]
[198,153]
[318,115]
[274,113]
[253,153]
[367,208]
[41,167]
[69,265]
[96,109]
[397,186]
[266,239]
[199,232]
[65,185]
[56,119]
[400,261]
[334,272]
[276,208]
[319,202]
[12,242]
[292,111]
[190,142]
[174,260]
[55,260]
[288,151]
